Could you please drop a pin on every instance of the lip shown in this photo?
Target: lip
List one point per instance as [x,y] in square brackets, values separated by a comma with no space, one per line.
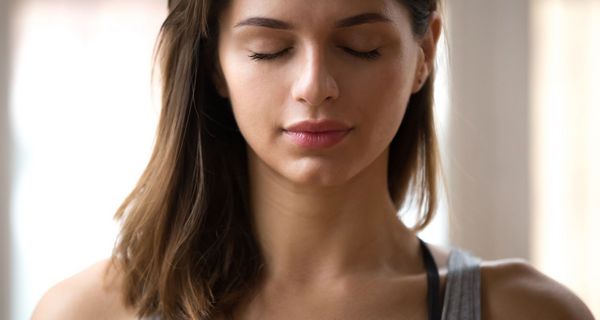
[317,134]
[316,126]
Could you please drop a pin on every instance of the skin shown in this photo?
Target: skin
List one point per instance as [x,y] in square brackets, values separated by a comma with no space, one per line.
[311,206]
[324,219]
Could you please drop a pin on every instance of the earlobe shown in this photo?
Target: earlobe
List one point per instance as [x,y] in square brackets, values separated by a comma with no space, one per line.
[427,51]
[422,72]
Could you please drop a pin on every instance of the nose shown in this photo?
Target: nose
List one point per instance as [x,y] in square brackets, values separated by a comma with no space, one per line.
[315,84]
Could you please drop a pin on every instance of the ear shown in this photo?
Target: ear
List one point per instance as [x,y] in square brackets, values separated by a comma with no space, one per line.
[426,51]
[219,81]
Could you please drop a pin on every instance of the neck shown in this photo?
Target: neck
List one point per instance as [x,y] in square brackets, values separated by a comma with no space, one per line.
[311,234]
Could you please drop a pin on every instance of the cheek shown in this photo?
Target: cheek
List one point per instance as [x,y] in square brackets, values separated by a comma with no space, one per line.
[381,100]
[256,98]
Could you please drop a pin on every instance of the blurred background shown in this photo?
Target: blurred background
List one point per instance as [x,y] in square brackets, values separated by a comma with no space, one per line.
[518,110]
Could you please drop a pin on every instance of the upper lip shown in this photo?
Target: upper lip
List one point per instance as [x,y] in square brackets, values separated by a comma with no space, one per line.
[323,125]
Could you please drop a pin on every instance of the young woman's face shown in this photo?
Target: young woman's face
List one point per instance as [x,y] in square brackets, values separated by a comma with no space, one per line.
[318,88]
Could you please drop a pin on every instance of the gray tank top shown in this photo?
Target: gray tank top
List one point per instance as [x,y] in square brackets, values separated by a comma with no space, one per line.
[462,293]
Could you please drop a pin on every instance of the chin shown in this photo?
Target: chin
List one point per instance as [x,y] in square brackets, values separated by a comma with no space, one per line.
[307,171]
[311,173]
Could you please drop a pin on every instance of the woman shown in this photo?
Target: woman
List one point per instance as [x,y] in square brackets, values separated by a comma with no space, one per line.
[291,134]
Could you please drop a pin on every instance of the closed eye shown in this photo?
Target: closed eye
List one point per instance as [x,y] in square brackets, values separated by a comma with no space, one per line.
[367,55]
[268,56]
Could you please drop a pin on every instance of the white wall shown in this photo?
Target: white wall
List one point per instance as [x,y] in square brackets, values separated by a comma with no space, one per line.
[83,121]
[488,127]
[523,135]
[5,145]
[566,135]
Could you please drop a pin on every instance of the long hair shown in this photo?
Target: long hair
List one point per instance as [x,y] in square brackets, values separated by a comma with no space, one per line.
[186,249]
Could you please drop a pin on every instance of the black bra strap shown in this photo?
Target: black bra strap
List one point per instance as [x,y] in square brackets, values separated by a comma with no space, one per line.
[433,284]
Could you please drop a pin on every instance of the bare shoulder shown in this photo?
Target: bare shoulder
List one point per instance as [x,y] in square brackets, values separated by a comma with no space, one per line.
[93,293]
[513,289]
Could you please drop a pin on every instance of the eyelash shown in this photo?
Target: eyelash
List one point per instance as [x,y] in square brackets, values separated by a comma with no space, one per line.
[370,55]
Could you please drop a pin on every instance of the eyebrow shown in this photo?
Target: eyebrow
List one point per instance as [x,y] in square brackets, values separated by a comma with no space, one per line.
[343,23]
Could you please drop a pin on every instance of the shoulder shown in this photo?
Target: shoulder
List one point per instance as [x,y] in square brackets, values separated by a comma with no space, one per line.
[513,289]
[94,293]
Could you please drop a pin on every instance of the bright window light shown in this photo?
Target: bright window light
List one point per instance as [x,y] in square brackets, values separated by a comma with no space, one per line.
[84,118]
[566,153]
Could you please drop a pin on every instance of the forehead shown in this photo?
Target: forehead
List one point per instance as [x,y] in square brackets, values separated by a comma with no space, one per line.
[312,13]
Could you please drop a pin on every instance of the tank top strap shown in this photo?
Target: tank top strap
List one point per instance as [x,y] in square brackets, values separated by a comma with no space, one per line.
[462,294]
[434,311]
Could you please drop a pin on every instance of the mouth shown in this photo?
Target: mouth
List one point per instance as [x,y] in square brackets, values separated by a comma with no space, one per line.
[318,126]
[317,134]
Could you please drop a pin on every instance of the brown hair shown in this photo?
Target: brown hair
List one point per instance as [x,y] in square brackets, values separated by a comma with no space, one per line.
[186,249]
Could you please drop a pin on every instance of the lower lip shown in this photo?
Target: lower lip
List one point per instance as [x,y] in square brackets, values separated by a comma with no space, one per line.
[316,140]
